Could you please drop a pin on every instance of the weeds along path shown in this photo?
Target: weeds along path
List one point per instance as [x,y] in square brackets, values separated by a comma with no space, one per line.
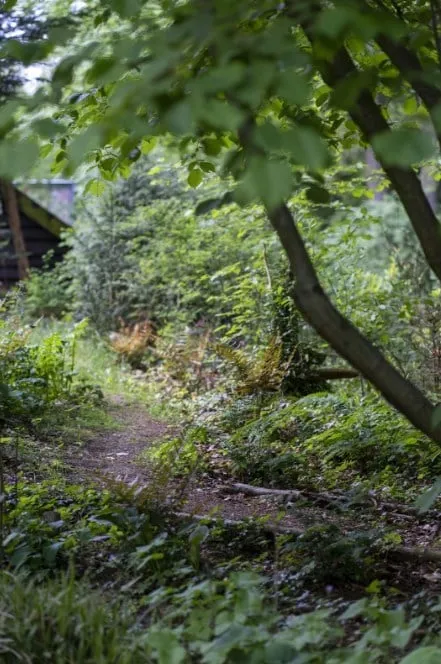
[115,454]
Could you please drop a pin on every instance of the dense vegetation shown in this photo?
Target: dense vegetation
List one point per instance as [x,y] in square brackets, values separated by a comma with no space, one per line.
[197,462]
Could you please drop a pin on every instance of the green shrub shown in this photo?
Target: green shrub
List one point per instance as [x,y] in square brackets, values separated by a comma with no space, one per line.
[336,437]
[35,376]
[48,291]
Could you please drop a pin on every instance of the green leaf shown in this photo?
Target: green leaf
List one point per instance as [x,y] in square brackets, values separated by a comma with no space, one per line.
[267,179]
[207,166]
[195,177]
[410,106]
[403,147]
[306,147]
[212,146]
[346,92]
[334,21]
[269,137]
[317,194]
[147,145]
[279,652]
[84,143]
[167,646]
[47,128]
[220,114]
[179,118]
[294,88]
[424,502]
[125,8]
[95,187]
[427,655]
[8,111]
[17,157]
[221,79]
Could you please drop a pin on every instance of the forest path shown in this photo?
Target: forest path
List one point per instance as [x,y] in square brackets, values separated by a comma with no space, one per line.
[115,454]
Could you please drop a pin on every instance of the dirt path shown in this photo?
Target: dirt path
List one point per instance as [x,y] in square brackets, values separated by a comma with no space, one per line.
[115,454]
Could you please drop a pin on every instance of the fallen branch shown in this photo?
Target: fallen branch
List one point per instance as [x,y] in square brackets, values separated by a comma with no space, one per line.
[294,494]
[413,553]
[338,373]
[326,498]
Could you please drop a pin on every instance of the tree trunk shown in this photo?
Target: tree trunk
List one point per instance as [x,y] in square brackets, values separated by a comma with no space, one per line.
[343,336]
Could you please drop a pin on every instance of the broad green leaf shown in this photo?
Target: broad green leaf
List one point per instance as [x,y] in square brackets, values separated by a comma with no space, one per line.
[403,147]
[84,143]
[346,93]
[427,499]
[167,647]
[410,106]
[212,146]
[207,166]
[268,137]
[317,194]
[355,609]
[428,655]
[294,88]
[147,145]
[179,119]
[220,79]
[8,111]
[105,70]
[126,8]
[95,187]
[17,157]
[269,180]
[306,147]
[47,128]
[195,177]
[220,114]
[333,21]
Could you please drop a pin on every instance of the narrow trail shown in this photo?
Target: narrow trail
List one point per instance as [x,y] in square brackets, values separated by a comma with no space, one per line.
[115,454]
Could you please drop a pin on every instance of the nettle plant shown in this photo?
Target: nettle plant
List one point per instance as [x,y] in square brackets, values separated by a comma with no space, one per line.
[268,94]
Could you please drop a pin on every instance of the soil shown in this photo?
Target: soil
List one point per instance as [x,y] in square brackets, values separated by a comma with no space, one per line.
[116,454]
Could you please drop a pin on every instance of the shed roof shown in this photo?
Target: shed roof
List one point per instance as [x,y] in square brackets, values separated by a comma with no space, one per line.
[39,214]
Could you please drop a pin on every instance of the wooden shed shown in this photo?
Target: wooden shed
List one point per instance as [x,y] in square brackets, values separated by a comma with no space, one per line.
[27,232]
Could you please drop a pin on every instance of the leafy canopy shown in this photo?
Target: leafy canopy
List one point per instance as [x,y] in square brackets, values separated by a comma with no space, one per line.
[136,70]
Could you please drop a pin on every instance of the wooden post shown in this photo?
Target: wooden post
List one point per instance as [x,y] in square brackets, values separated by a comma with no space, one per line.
[14,221]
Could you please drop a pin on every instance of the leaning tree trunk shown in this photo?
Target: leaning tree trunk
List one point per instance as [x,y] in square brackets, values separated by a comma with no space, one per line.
[343,337]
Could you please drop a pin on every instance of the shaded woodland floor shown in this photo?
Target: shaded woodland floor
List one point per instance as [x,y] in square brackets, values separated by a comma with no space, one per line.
[412,560]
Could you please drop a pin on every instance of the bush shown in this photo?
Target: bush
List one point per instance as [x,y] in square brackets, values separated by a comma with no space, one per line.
[35,376]
[335,437]
[48,291]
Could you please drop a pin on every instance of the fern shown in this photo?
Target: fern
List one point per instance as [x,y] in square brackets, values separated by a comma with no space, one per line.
[263,373]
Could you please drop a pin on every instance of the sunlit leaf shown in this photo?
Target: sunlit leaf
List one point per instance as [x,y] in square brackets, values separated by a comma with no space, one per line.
[195,177]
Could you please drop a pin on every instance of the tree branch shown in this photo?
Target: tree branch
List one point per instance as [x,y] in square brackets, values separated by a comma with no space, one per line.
[343,336]
[409,66]
[368,117]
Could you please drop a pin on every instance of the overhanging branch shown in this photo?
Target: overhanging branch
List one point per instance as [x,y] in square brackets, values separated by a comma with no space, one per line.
[368,117]
[343,336]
